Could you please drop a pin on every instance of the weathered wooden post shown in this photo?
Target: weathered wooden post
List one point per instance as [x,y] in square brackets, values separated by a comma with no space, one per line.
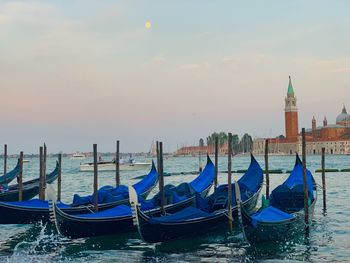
[161,175]
[200,168]
[306,193]
[117,159]
[267,169]
[59,179]
[229,181]
[157,152]
[216,161]
[5,161]
[324,181]
[95,178]
[20,178]
[41,183]
[44,171]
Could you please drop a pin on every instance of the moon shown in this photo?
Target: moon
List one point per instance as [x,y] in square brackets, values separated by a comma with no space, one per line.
[148,25]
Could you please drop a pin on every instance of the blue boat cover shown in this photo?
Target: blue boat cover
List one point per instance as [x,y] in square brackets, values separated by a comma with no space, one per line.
[289,196]
[296,178]
[253,177]
[183,191]
[183,215]
[5,179]
[205,178]
[151,179]
[249,184]
[270,214]
[172,194]
[107,194]
[118,211]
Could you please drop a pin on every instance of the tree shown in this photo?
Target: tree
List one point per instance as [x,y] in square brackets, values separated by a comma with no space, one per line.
[201,142]
[235,143]
[246,143]
[222,138]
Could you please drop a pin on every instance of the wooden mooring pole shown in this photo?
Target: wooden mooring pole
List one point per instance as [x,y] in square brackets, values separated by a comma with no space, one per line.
[161,175]
[157,151]
[216,161]
[267,176]
[59,179]
[324,181]
[44,171]
[41,183]
[95,178]
[117,160]
[306,193]
[20,178]
[200,168]
[229,181]
[5,161]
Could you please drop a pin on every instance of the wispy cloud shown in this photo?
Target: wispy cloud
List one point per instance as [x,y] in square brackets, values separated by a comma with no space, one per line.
[159,59]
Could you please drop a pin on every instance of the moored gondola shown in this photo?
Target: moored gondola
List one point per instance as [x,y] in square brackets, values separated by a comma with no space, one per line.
[30,189]
[35,210]
[210,214]
[283,217]
[119,219]
[9,176]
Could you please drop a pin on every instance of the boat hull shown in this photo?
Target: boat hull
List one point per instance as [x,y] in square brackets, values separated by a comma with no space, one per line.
[154,233]
[30,188]
[275,232]
[77,227]
[17,214]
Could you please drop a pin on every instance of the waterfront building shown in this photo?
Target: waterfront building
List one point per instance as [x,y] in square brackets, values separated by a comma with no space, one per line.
[335,138]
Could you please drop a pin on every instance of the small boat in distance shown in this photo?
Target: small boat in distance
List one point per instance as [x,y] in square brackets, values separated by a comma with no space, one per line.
[124,165]
[77,156]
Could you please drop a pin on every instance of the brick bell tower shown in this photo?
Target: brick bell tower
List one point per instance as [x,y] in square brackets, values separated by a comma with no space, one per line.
[291,114]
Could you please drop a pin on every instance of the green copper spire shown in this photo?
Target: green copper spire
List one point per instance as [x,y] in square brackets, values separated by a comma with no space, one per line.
[290,88]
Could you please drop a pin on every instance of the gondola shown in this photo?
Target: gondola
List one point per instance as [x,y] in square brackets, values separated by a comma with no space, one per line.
[209,215]
[283,217]
[30,189]
[35,210]
[8,177]
[119,219]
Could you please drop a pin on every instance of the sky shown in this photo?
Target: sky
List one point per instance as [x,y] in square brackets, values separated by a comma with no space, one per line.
[78,72]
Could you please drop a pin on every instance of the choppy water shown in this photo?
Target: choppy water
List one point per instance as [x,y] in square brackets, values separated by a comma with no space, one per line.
[329,238]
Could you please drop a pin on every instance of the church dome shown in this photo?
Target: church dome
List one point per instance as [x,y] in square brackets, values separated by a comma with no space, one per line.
[343,116]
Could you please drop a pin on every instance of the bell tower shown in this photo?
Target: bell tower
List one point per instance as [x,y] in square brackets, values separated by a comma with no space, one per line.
[291,114]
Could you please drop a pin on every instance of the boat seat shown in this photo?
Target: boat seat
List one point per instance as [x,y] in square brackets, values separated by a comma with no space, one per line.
[287,199]
[184,189]
[219,202]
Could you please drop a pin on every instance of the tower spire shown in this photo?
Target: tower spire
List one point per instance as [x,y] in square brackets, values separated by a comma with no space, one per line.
[291,114]
[290,87]
[344,109]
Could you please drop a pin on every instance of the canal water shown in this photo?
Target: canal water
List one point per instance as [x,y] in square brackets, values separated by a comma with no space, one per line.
[329,239]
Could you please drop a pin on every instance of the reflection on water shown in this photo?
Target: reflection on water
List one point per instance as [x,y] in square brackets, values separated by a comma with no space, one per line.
[328,241]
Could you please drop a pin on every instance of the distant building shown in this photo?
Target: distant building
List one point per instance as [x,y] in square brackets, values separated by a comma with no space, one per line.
[335,138]
[203,150]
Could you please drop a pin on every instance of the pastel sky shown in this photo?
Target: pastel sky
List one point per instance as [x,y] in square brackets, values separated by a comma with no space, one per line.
[78,72]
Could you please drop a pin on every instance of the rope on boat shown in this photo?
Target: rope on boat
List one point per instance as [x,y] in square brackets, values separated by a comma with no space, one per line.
[134,215]
[239,210]
[88,207]
[52,214]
